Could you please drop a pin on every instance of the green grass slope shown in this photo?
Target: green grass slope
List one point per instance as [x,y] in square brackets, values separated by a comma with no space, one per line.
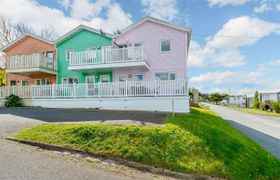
[199,142]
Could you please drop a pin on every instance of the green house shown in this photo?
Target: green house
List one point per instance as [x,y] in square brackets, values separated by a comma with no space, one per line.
[82,44]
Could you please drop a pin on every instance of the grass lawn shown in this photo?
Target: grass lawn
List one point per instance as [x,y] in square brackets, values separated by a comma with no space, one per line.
[258,111]
[200,142]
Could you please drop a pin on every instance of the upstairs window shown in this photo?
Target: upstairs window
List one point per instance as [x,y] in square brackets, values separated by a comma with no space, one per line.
[165,46]
[165,76]
[49,54]
[68,53]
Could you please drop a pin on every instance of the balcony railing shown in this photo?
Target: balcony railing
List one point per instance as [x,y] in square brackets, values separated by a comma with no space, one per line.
[108,56]
[36,60]
[113,89]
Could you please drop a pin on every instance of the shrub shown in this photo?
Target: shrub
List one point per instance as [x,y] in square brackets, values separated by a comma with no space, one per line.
[13,101]
[265,106]
[276,107]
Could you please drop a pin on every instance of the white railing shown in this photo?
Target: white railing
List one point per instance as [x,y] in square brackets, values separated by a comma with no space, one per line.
[114,89]
[36,60]
[107,56]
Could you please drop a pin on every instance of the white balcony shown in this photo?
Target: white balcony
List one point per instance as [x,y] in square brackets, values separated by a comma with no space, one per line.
[31,64]
[108,58]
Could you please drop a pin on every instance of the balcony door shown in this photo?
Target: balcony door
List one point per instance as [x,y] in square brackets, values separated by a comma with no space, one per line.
[106,54]
[90,85]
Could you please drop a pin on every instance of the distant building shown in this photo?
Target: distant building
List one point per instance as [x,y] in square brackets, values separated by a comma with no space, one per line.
[269,96]
[238,101]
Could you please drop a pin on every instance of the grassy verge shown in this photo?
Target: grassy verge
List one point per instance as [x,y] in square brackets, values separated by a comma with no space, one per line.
[258,111]
[199,142]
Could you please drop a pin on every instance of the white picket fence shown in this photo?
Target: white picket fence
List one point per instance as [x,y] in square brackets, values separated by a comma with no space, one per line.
[113,89]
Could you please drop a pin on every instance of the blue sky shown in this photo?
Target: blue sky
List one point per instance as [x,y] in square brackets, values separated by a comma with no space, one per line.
[235,43]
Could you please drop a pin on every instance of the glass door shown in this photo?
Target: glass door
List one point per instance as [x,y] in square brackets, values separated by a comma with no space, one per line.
[105,86]
[90,85]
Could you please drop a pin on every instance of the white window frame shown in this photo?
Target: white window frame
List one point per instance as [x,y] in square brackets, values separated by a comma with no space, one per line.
[104,75]
[24,81]
[93,76]
[133,76]
[139,42]
[168,75]
[75,77]
[71,50]
[41,81]
[161,48]
[126,78]
[13,81]
[49,52]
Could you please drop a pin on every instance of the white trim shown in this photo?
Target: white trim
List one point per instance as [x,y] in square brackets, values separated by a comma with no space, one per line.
[137,63]
[71,50]
[170,43]
[94,77]
[105,75]
[133,76]
[168,72]
[73,77]
[22,37]
[78,28]
[29,70]
[154,20]
[124,75]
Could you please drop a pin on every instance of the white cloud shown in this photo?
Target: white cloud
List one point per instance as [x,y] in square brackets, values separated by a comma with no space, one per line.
[228,58]
[163,9]
[85,9]
[228,77]
[34,14]
[221,3]
[64,4]
[274,63]
[262,8]
[278,6]
[242,31]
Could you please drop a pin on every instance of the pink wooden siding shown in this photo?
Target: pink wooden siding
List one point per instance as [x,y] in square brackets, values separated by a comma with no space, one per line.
[151,34]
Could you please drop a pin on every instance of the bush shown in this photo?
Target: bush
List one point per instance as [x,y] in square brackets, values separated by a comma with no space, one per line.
[276,107]
[265,106]
[13,101]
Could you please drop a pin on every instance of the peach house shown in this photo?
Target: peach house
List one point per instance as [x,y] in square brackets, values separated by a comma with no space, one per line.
[30,60]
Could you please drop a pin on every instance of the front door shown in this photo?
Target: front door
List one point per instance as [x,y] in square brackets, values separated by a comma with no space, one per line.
[105,85]
[90,85]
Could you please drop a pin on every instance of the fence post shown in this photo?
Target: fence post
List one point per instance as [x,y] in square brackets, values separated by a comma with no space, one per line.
[53,95]
[126,88]
[75,92]
[155,84]
[99,89]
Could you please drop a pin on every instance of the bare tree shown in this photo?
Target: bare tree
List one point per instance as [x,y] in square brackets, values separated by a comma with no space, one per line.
[6,31]
[48,33]
[22,29]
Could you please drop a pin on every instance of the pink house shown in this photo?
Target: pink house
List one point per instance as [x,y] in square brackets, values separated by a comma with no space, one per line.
[165,48]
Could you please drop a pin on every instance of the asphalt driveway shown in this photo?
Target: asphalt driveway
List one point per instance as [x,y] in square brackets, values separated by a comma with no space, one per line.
[265,130]
[19,161]
[50,115]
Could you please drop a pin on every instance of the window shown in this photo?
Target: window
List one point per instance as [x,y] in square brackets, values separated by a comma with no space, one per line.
[49,54]
[24,83]
[138,77]
[68,53]
[165,76]
[139,44]
[70,80]
[13,83]
[165,46]
[44,81]
[104,78]
[122,78]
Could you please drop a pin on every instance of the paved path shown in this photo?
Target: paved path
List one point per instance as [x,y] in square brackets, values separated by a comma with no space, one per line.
[19,161]
[265,130]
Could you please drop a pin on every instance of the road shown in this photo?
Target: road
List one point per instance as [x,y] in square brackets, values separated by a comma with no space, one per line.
[265,130]
[19,161]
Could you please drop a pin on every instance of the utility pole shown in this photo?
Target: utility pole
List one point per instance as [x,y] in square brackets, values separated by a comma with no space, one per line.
[228,95]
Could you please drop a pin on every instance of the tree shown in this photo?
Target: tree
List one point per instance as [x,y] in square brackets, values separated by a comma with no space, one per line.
[6,31]
[256,103]
[216,97]
[2,77]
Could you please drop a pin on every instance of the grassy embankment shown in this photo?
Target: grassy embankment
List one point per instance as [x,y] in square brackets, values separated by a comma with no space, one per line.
[200,142]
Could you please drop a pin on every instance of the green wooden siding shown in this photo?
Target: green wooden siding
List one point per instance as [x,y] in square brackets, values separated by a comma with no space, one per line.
[80,41]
